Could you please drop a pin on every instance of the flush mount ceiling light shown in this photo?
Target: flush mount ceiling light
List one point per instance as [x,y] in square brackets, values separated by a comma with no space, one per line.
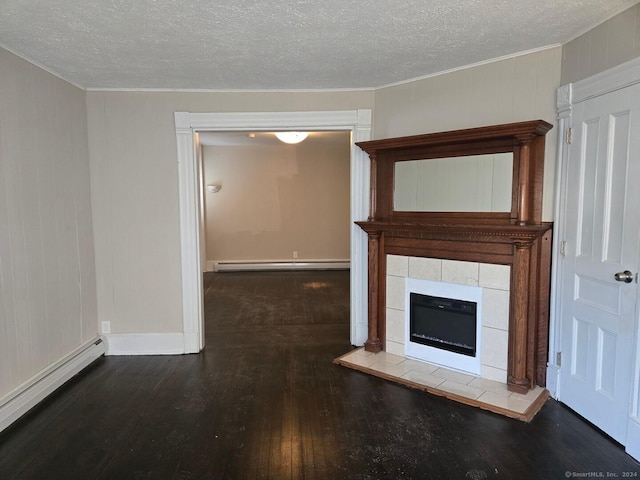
[291,137]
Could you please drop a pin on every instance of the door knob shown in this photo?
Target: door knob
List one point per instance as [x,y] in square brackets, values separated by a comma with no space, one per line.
[626,276]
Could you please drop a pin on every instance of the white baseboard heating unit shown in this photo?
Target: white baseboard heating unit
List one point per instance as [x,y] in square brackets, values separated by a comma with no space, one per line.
[22,399]
[257,265]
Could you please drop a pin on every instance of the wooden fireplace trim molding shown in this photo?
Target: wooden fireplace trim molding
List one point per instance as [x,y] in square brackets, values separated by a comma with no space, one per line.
[518,238]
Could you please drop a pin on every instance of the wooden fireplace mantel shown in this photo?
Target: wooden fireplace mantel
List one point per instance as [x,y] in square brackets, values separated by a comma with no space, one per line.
[517,238]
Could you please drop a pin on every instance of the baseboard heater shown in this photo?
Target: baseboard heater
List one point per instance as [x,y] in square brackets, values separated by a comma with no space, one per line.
[22,399]
[252,265]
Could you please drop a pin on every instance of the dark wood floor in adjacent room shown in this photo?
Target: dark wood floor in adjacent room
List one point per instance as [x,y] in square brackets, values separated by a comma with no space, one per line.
[264,401]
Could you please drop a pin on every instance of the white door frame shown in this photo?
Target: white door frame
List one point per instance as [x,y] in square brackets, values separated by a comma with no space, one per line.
[188,124]
[611,80]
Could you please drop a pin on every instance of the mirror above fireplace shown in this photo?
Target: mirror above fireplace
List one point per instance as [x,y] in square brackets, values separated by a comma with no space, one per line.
[470,183]
[518,170]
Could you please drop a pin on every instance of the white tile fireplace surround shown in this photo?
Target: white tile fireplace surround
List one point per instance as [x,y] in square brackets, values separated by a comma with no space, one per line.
[494,280]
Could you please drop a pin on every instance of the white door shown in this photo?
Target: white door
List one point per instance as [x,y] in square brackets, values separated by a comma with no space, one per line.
[602,223]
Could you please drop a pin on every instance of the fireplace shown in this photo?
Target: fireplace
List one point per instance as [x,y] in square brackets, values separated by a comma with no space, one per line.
[512,235]
[443,324]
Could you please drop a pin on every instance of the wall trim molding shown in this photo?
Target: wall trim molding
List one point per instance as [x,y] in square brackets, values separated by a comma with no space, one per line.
[615,78]
[358,122]
[19,401]
[145,344]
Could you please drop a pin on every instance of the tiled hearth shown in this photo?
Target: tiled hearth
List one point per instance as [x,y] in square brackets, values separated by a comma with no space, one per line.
[476,391]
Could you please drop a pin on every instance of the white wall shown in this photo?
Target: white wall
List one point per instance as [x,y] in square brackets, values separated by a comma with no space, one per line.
[47,273]
[277,199]
[134,189]
[511,90]
[609,44]
[134,184]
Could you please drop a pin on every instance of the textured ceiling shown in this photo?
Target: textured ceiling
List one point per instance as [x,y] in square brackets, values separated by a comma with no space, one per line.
[275,44]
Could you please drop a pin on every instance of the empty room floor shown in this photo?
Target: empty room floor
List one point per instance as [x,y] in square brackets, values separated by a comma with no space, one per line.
[264,400]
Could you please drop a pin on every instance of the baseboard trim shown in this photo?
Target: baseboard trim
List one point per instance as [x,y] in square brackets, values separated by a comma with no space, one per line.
[19,401]
[265,265]
[632,443]
[553,376]
[145,344]
[361,333]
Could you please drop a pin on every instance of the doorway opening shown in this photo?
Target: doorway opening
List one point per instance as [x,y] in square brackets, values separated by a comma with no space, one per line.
[189,126]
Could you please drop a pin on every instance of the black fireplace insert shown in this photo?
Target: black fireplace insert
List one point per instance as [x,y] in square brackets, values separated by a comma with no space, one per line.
[445,323]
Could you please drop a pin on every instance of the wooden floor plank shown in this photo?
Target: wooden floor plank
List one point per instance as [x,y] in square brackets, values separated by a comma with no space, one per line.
[265,401]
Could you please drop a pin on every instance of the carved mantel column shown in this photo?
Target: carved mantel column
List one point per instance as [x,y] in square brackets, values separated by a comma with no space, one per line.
[517,380]
[524,208]
[373,343]
[373,188]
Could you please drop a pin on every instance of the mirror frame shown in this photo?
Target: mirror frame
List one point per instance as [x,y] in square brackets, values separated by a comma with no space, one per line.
[526,140]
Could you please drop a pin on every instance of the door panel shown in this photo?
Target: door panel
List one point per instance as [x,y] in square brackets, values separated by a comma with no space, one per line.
[598,313]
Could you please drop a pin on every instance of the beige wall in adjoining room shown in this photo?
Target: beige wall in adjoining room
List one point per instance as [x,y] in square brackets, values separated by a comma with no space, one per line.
[510,90]
[278,199]
[609,44]
[134,185]
[47,271]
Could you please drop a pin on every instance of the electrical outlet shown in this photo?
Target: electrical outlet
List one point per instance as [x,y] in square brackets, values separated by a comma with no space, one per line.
[295,254]
[106,327]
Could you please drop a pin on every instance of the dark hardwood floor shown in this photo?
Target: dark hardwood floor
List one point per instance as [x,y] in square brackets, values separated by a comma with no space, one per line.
[264,401]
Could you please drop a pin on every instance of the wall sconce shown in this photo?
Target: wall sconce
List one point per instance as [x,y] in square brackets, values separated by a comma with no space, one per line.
[291,137]
[213,188]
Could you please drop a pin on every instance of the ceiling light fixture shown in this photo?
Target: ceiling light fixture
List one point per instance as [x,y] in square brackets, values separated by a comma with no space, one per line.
[291,137]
